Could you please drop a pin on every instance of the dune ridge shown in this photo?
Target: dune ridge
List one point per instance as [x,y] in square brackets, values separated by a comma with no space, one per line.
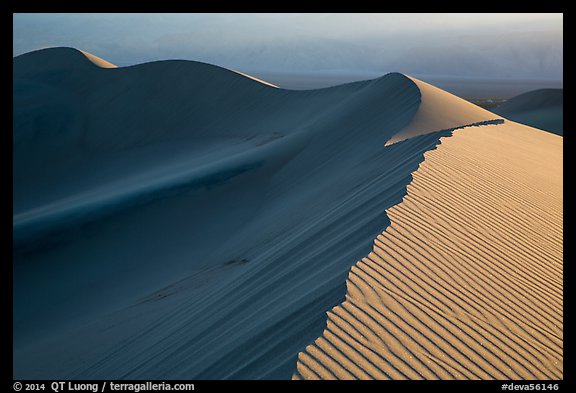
[433,116]
[466,282]
[542,108]
[98,61]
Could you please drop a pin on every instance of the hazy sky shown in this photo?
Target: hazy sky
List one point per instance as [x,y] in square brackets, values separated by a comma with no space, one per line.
[500,45]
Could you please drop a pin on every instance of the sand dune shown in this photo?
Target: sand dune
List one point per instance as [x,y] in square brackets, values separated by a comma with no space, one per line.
[541,108]
[256,79]
[98,61]
[433,114]
[176,219]
[466,282]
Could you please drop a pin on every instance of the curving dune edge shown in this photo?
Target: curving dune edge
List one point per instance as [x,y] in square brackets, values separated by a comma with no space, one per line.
[466,282]
[202,223]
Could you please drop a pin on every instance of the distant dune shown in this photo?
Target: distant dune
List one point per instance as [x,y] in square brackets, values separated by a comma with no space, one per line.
[541,108]
[178,220]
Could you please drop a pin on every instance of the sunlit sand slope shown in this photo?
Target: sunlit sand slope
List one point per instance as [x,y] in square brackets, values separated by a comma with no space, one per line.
[543,109]
[178,220]
[440,110]
[466,282]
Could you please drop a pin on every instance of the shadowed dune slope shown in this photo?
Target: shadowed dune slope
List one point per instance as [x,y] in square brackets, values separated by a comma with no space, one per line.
[191,228]
[179,220]
[466,282]
[543,109]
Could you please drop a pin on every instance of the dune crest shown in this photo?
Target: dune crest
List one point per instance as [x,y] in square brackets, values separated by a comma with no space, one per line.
[440,110]
[98,61]
[466,282]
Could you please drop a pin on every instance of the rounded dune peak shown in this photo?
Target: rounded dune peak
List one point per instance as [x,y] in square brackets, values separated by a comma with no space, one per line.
[40,60]
[46,61]
[440,110]
[204,213]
